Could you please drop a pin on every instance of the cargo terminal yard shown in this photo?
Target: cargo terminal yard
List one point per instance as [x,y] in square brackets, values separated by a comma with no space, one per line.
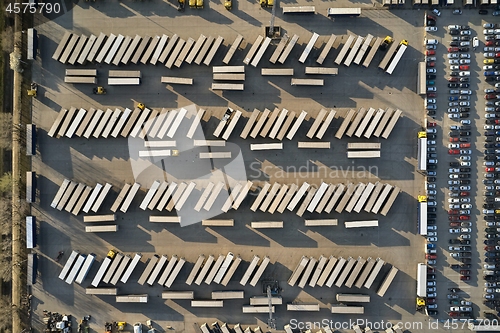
[193,172]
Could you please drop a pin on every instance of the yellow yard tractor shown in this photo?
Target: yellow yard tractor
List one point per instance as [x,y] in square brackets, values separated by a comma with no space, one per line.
[99,91]
[33,90]
[120,326]
[228,4]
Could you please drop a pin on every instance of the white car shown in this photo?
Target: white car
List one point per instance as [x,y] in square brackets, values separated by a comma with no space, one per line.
[453,200]
[465,230]
[464,73]
[465,32]
[465,122]
[464,56]
[454,231]
[436,11]
[465,158]
[465,151]
[466,206]
[464,61]
[488,31]
[431,29]
[454,146]
[137,328]
[465,188]
[453,62]
[454,308]
[475,42]
[485,68]
[465,164]
[432,239]
[454,67]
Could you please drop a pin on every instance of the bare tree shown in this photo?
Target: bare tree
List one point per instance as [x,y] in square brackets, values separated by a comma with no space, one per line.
[5,314]
[5,182]
[6,259]
[5,130]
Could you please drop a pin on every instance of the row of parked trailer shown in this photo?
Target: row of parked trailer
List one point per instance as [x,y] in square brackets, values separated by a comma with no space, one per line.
[118,267]
[277,124]
[374,198]
[116,77]
[340,272]
[173,51]
[238,328]
[369,122]
[127,123]
[363,150]
[75,197]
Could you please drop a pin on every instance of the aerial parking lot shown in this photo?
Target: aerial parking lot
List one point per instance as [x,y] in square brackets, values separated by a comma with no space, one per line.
[190,173]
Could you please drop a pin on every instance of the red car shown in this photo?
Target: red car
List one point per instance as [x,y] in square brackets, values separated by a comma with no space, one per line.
[489,169]
[430,52]
[453,314]
[431,94]
[464,194]
[454,139]
[465,145]
[464,217]
[453,218]
[464,277]
[454,151]
[430,17]
[490,96]
[431,270]
[453,212]
[489,248]
[431,301]
[431,64]
[452,49]
[454,224]
[489,43]
[430,256]
[452,79]
[431,124]
[497,55]
[464,67]
[497,121]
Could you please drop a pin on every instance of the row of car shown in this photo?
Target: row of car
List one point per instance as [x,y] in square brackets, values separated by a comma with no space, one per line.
[459,171]
[491,181]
